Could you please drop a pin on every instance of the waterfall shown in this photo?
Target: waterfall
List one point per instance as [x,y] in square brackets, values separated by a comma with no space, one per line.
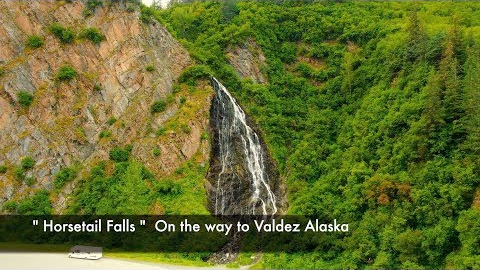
[241,181]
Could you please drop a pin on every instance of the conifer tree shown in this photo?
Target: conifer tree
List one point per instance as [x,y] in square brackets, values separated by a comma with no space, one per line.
[471,84]
[452,92]
[416,35]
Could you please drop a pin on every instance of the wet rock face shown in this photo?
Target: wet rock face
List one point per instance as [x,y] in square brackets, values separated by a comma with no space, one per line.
[243,178]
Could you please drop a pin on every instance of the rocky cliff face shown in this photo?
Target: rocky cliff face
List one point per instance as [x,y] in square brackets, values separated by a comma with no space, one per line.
[65,121]
[243,177]
[248,60]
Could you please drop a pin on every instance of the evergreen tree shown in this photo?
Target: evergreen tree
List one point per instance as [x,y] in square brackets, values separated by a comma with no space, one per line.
[452,92]
[433,114]
[416,35]
[471,84]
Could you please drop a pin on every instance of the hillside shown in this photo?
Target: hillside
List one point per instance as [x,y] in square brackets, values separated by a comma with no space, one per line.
[78,83]
[371,111]
[362,112]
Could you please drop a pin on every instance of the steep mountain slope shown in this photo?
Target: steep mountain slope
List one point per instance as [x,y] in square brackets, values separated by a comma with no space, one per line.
[89,98]
[370,110]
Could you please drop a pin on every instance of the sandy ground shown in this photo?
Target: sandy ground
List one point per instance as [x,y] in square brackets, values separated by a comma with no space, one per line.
[54,261]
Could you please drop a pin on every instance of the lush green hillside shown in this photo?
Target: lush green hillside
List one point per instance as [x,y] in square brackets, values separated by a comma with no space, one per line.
[371,111]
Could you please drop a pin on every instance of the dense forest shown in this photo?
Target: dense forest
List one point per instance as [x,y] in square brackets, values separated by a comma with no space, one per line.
[371,111]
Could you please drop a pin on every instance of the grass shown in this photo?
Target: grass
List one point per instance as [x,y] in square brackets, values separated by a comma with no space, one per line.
[25,99]
[34,42]
[66,73]
[92,34]
[65,35]
[164,258]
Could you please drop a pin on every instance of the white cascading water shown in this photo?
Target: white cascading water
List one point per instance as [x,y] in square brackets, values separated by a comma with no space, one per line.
[234,123]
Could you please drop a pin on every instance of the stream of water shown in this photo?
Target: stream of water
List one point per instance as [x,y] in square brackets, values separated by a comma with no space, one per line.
[236,136]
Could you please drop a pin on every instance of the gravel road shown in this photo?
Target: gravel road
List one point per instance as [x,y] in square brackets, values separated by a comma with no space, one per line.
[54,261]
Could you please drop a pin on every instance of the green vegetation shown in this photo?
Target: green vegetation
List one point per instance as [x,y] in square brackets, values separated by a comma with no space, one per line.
[183,100]
[66,73]
[27,163]
[90,7]
[38,204]
[65,35]
[158,106]
[146,14]
[156,151]
[105,134]
[63,176]
[30,181]
[160,131]
[124,192]
[119,154]
[25,99]
[97,87]
[371,111]
[3,169]
[185,128]
[193,73]
[10,206]
[93,4]
[92,34]
[34,42]
[19,173]
[150,68]
[111,120]
[132,189]
[2,72]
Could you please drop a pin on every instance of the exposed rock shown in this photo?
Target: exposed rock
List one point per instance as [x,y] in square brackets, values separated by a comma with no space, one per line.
[248,59]
[244,178]
[64,122]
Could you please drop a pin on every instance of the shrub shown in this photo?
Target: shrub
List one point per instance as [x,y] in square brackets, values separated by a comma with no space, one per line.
[146,14]
[30,181]
[66,73]
[27,163]
[25,99]
[186,128]
[87,13]
[93,4]
[2,72]
[63,176]
[183,100]
[92,34]
[34,42]
[168,187]
[97,87]
[156,151]
[111,120]
[38,204]
[130,8]
[3,169]
[90,7]
[10,206]
[158,106]
[65,35]
[119,154]
[161,131]
[105,134]
[19,173]
[204,136]
[150,68]
[191,74]
[176,88]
